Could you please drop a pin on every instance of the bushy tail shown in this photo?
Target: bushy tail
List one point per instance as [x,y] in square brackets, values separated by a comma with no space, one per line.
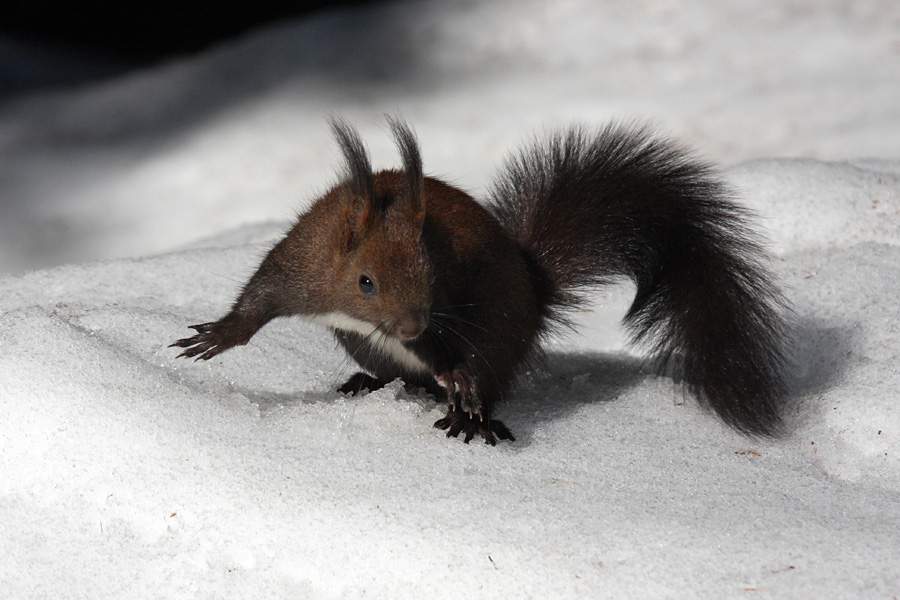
[592,207]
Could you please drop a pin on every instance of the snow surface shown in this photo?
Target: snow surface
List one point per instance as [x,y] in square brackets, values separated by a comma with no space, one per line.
[126,473]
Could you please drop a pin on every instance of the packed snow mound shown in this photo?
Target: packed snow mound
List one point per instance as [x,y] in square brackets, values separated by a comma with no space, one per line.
[130,473]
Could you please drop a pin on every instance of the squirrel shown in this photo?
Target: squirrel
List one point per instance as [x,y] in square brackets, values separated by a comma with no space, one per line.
[420,281]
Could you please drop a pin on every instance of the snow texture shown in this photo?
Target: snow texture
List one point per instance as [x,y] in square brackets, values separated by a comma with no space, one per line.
[127,473]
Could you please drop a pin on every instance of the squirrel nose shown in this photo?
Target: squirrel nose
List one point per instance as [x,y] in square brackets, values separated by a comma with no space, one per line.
[411,326]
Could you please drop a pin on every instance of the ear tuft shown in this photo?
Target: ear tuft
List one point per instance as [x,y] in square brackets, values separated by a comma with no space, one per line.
[360,178]
[408,145]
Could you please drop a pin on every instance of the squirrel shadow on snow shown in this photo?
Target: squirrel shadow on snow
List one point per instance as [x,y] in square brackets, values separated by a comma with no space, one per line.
[820,362]
[561,384]
[566,381]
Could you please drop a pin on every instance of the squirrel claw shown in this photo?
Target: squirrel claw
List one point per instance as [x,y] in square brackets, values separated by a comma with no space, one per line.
[202,346]
[457,422]
[210,340]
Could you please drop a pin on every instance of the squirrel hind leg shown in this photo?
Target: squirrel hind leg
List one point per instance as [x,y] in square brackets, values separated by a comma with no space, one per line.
[361,381]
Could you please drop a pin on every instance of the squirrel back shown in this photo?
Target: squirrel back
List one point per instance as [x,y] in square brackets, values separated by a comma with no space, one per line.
[419,281]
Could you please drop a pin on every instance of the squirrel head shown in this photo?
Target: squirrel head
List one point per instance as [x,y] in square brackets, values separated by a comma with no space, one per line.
[382,271]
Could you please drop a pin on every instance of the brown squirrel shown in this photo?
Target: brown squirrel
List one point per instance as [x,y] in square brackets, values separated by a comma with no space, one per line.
[418,280]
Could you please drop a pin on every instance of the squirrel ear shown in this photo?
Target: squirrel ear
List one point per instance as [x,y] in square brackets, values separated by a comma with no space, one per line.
[359,184]
[359,177]
[408,145]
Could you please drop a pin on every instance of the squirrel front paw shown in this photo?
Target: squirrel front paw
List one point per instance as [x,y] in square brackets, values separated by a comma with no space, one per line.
[211,339]
[468,413]
[457,422]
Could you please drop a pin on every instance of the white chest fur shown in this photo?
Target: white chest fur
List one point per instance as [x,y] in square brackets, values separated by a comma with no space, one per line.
[389,347]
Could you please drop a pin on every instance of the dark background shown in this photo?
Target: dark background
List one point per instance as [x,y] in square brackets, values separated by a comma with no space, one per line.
[111,37]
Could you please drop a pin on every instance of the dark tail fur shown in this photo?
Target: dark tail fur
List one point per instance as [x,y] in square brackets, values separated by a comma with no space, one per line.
[589,208]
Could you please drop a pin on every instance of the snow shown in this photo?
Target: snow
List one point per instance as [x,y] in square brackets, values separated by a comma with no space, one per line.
[127,473]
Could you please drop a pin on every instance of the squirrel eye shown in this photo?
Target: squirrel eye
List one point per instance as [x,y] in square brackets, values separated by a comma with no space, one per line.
[366,284]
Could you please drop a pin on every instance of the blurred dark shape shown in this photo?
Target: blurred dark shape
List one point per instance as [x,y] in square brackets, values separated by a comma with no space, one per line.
[43,44]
